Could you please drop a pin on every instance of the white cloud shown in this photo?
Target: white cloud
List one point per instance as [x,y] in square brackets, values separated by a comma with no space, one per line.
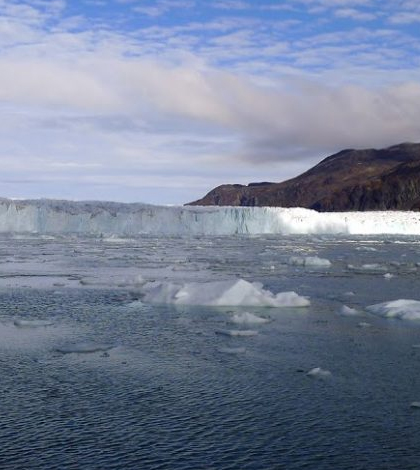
[162,6]
[230,5]
[354,14]
[405,17]
[94,105]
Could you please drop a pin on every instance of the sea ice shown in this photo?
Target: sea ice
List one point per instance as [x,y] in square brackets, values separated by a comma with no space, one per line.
[403,309]
[310,261]
[247,318]
[319,373]
[236,292]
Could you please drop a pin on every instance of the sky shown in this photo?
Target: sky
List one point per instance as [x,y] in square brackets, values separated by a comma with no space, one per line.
[159,101]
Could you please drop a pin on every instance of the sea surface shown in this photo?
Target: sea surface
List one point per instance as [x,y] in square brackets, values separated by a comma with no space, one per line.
[92,377]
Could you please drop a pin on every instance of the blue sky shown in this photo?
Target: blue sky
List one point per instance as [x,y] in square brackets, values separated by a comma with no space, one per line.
[159,101]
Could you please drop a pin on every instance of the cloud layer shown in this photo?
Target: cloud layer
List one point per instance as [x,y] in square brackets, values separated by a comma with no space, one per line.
[162,100]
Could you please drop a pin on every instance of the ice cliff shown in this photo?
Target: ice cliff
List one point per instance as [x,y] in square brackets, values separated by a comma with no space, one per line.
[110,218]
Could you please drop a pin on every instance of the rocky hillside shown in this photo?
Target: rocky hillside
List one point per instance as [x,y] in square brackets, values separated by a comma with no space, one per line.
[351,180]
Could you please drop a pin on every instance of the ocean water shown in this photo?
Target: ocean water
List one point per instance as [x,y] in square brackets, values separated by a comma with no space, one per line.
[92,377]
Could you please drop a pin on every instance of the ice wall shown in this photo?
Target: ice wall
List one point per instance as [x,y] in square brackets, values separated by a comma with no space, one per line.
[110,218]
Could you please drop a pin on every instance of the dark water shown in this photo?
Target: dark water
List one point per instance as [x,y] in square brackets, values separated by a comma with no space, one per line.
[161,389]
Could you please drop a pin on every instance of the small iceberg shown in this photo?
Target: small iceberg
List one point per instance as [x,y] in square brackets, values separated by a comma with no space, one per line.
[403,309]
[237,332]
[364,324]
[318,373]
[415,404]
[236,292]
[84,348]
[32,323]
[346,311]
[368,268]
[247,318]
[309,261]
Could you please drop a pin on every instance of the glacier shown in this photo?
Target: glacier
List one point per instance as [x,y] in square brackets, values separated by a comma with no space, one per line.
[98,218]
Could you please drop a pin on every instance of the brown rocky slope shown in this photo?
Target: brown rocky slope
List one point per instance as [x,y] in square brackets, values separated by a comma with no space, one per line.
[351,180]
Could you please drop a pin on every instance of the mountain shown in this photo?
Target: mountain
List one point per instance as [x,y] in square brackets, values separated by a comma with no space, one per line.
[351,180]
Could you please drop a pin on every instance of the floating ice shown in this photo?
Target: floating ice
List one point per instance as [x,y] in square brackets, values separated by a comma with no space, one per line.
[219,293]
[402,309]
[247,318]
[84,348]
[32,323]
[310,261]
[237,332]
[232,350]
[347,311]
[415,404]
[135,282]
[388,276]
[31,335]
[319,373]
[364,324]
[371,267]
[123,220]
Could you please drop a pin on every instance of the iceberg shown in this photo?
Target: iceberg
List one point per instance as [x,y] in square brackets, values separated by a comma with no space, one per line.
[237,292]
[402,308]
[112,219]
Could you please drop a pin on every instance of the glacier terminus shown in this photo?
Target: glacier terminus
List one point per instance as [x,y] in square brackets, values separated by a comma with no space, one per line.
[97,218]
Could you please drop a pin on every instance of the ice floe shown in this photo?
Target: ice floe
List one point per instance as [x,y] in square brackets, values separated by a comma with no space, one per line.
[236,292]
[319,373]
[247,318]
[368,267]
[404,309]
[309,261]
[237,332]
